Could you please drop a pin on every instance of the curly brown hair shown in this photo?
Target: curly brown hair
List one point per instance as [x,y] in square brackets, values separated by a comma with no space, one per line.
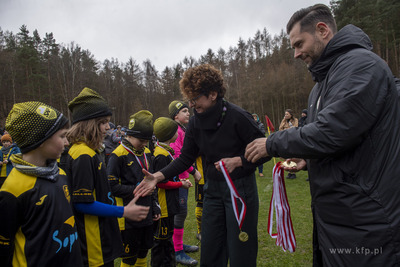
[202,79]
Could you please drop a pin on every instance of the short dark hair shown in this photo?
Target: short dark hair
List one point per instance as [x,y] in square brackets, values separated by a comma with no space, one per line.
[310,16]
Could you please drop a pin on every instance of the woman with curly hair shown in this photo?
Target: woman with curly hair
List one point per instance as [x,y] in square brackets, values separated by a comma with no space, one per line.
[220,132]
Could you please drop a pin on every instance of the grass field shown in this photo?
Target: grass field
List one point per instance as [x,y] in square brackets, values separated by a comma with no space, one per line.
[269,254]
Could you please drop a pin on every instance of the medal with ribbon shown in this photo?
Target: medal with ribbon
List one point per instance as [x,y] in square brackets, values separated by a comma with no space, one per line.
[159,144]
[285,237]
[137,159]
[243,236]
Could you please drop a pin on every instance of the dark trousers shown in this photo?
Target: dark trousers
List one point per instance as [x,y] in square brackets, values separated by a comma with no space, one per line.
[220,230]
[163,252]
[136,241]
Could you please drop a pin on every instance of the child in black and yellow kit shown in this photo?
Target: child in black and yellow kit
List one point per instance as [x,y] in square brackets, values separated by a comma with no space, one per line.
[124,171]
[94,205]
[163,252]
[37,225]
[199,194]
[6,151]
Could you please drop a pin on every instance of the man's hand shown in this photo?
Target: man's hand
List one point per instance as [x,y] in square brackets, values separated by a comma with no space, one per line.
[186,184]
[256,150]
[135,212]
[197,176]
[301,165]
[230,164]
[148,184]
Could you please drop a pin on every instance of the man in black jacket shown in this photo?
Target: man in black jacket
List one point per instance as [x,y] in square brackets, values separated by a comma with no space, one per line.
[303,118]
[351,143]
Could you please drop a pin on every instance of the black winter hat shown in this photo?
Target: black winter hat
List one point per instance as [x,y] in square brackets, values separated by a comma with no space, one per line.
[88,105]
[304,111]
[32,123]
[141,125]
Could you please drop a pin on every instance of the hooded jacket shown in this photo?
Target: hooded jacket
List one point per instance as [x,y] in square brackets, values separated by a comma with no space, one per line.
[352,147]
[13,149]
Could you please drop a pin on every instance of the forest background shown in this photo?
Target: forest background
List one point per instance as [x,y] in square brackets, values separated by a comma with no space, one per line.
[260,73]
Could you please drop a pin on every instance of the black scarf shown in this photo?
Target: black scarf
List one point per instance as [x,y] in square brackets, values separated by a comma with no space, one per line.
[212,118]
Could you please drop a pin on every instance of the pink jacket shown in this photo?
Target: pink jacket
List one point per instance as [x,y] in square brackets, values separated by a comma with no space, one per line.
[177,146]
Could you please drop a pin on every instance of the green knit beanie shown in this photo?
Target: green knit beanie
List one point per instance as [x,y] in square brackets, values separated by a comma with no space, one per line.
[32,123]
[165,128]
[174,107]
[88,105]
[141,125]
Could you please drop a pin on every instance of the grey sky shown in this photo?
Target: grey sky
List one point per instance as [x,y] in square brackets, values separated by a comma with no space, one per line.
[164,31]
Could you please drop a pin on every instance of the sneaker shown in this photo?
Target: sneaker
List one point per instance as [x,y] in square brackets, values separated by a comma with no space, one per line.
[261,174]
[198,236]
[182,258]
[189,249]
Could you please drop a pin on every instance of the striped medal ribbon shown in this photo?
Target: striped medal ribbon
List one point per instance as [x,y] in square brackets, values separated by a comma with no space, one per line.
[146,166]
[243,236]
[285,237]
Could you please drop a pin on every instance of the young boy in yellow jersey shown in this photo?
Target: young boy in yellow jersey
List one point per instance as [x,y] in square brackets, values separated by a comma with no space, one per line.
[37,225]
[124,171]
[163,252]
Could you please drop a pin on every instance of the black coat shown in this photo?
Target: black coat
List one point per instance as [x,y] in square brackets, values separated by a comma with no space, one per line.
[352,143]
[204,137]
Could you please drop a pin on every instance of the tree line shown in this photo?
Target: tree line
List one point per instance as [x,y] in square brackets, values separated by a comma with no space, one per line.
[260,73]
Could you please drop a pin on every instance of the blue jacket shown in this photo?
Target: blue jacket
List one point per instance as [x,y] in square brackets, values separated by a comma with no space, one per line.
[13,150]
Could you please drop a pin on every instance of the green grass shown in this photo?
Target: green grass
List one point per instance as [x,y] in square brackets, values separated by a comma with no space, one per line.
[269,254]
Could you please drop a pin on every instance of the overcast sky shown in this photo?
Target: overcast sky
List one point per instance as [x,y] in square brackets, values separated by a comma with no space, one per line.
[164,31]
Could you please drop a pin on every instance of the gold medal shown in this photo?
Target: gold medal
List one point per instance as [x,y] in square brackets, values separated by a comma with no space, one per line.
[289,165]
[243,236]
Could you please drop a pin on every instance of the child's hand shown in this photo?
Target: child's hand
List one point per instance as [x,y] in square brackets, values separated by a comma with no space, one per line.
[1,163]
[156,217]
[5,161]
[197,176]
[135,212]
[186,184]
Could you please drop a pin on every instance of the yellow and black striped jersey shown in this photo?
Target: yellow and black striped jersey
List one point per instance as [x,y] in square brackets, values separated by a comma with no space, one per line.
[37,225]
[167,198]
[124,171]
[200,166]
[99,236]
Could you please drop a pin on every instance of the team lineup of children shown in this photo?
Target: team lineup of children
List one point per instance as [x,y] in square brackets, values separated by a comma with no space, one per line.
[88,214]
[37,197]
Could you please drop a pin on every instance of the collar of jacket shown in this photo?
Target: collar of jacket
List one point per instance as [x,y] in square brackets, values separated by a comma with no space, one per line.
[348,38]
[208,120]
